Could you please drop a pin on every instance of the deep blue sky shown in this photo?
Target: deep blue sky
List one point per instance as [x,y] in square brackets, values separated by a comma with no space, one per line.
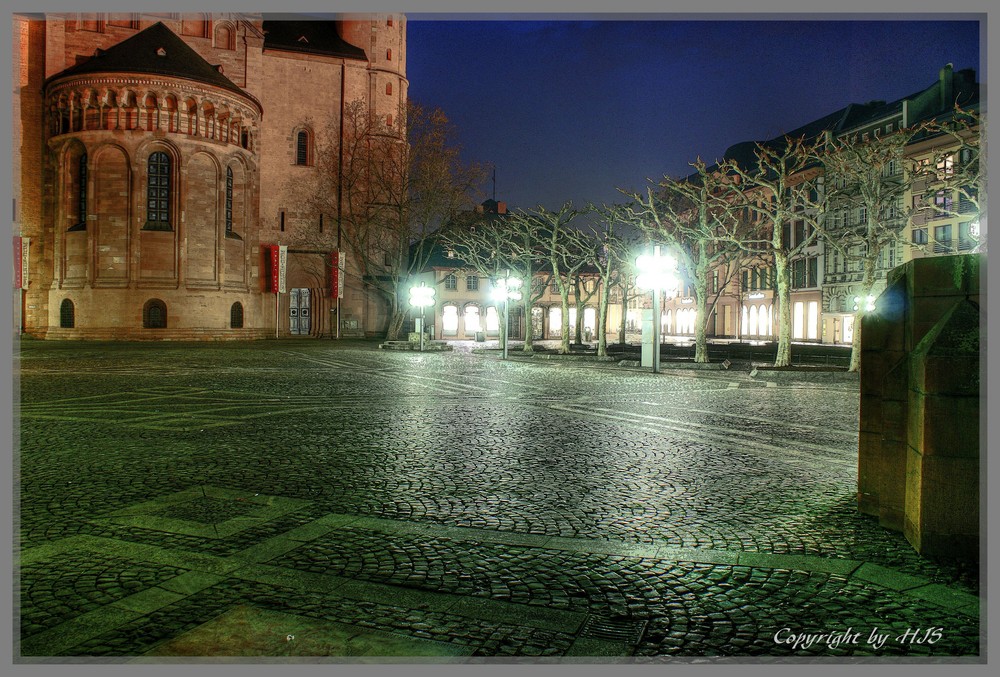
[572,110]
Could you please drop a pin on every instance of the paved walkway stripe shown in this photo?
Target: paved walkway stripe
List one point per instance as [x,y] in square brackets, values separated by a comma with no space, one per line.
[914,586]
[787,454]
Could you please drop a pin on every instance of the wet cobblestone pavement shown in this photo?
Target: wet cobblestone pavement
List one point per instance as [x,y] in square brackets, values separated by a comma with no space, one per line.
[456,503]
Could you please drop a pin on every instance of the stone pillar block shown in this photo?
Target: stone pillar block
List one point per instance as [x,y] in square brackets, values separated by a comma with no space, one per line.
[918,456]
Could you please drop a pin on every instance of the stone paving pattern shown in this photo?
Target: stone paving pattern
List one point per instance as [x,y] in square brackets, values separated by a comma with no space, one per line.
[716,509]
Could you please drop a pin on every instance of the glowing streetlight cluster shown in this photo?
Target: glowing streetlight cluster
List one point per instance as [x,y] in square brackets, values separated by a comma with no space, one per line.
[658,273]
[422,297]
[869,305]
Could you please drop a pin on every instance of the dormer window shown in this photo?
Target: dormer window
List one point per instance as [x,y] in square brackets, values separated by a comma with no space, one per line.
[161,52]
[450,254]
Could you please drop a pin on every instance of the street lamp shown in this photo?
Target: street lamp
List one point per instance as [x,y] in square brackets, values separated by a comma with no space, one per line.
[422,297]
[505,290]
[869,303]
[657,272]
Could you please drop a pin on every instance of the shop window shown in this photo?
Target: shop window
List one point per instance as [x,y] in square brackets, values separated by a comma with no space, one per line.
[449,320]
[472,324]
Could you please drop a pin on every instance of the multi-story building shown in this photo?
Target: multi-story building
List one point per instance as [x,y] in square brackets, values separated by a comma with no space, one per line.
[824,279]
[465,309]
[159,156]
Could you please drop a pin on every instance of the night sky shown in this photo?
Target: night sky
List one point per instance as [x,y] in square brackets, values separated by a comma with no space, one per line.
[573,109]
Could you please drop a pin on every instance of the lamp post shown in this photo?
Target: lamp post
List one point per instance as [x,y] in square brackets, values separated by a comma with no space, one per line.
[422,297]
[505,290]
[656,273]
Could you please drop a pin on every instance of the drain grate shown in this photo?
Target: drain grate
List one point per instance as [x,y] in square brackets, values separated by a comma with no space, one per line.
[625,630]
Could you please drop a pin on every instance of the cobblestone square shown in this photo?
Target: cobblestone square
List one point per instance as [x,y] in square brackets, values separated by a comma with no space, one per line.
[175,498]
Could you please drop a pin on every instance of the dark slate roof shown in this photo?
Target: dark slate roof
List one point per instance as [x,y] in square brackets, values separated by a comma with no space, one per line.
[138,54]
[320,37]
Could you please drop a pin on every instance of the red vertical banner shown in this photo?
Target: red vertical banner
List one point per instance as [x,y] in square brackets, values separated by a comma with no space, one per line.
[340,277]
[337,274]
[16,260]
[21,257]
[275,251]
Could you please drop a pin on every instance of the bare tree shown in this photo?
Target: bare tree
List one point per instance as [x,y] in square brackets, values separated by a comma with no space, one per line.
[782,185]
[392,186]
[585,287]
[562,247]
[951,181]
[611,262]
[866,182]
[699,222]
[484,245]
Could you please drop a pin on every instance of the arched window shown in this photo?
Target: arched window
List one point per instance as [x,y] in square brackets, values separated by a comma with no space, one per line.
[388,88]
[229,201]
[388,54]
[302,148]
[67,314]
[224,37]
[154,314]
[236,316]
[449,320]
[388,120]
[158,192]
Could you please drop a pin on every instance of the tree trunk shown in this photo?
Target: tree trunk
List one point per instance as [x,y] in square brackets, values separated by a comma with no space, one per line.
[866,289]
[701,317]
[579,323]
[624,324]
[529,327]
[783,357]
[564,347]
[395,324]
[504,318]
[602,323]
